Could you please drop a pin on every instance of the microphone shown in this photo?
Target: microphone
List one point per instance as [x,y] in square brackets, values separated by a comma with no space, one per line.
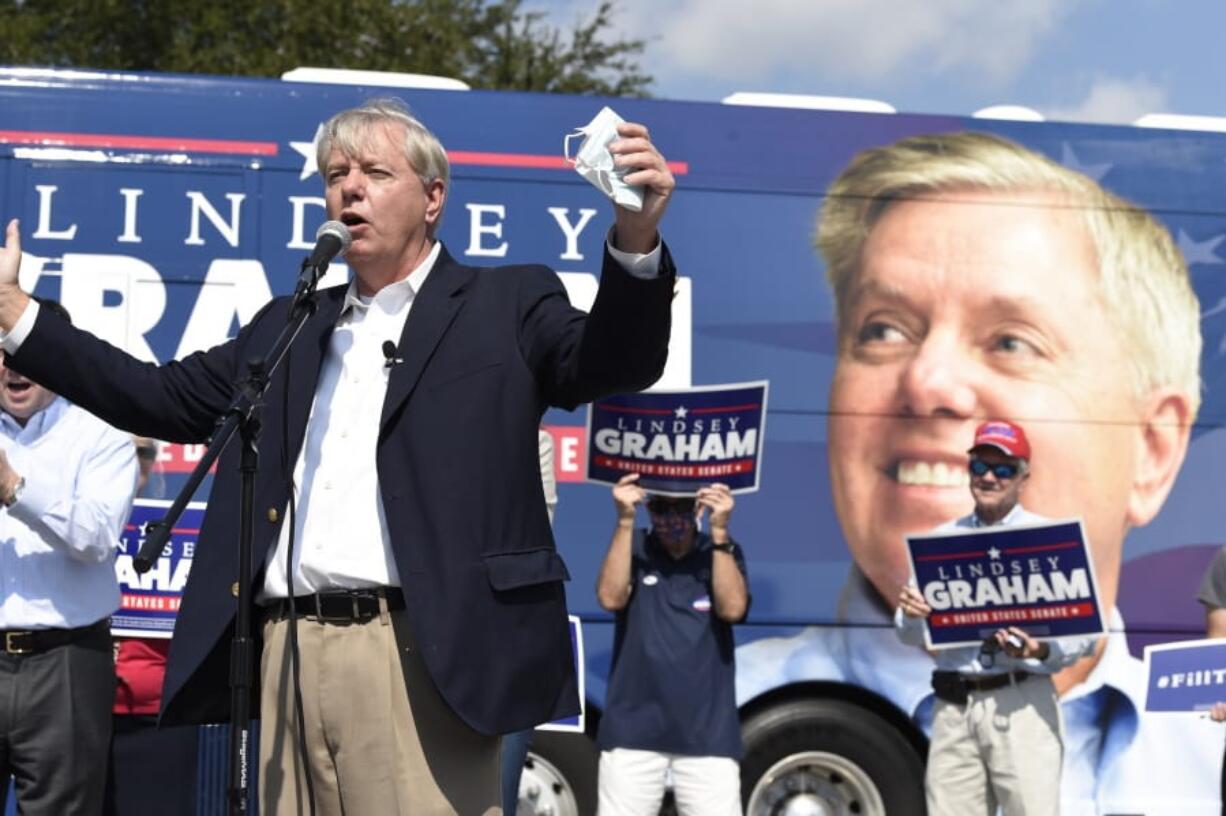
[389,354]
[331,239]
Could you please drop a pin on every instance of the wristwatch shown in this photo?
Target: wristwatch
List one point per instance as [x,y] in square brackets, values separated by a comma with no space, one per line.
[15,496]
[724,546]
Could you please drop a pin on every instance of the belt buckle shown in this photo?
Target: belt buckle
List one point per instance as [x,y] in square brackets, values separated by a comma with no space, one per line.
[320,615]
[336,618]
[11,648]
[361,615]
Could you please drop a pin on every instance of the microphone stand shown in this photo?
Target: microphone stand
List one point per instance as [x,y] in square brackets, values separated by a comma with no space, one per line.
[243,415]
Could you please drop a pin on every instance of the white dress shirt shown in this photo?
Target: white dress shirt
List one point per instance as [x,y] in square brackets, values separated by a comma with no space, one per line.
[58,542]
[340,531]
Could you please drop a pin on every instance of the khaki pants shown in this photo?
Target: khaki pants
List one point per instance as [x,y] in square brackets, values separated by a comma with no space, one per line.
[380,739]
[1004,747]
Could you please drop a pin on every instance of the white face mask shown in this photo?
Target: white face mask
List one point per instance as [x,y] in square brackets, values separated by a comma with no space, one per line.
[595,163]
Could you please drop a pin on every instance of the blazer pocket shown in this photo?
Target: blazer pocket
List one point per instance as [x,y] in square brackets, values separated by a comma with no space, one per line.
[512,570]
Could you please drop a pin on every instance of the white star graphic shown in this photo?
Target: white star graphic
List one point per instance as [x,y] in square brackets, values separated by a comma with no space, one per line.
[307,151]
[1212,313]
[993,553]
[1199,252]
[681,412]
[1095,171]
[1218,308]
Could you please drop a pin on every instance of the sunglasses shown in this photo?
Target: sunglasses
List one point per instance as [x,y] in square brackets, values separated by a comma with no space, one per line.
[1002,470]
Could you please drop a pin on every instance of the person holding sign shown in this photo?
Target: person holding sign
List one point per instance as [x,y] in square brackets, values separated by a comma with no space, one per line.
[1212,595]
[996,732]
[671,701]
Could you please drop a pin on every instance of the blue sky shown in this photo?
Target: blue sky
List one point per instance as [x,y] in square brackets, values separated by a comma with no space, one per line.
[1081,60]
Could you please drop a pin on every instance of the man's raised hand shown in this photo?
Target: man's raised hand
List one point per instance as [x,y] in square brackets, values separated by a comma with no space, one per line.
[12,300]
[10,255]
[627,496]
[643,164]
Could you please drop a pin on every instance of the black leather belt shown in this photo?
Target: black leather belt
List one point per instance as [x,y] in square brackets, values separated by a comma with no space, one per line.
[17,642]
[991,682]
[953,687]
[342,606]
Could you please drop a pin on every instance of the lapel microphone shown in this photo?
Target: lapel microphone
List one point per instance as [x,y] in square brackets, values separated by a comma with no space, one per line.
[389,354]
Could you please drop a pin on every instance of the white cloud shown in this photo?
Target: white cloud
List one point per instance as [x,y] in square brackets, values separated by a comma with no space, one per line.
[1114,101]
[747,43]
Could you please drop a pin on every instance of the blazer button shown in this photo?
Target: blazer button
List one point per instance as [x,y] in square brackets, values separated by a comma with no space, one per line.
[273,515]
[234,589]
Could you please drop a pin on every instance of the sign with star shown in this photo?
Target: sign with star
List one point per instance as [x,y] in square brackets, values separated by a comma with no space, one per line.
[1037,577]
[149,602]
[678,441]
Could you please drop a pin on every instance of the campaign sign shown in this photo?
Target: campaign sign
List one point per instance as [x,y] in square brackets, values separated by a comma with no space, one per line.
[679,441]
[1185,677]
[573,724]
[149,603]
[1038,577]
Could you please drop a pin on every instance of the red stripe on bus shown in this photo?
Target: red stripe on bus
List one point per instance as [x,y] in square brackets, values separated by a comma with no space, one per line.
[159,143]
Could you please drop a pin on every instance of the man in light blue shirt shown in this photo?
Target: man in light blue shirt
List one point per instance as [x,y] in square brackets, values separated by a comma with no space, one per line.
[996,732]
[66,484]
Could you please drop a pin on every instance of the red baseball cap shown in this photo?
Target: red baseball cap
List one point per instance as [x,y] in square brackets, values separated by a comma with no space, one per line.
[1006,437]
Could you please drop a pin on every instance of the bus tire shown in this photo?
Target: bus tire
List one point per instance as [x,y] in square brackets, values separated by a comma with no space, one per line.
[829,754]
[559,775]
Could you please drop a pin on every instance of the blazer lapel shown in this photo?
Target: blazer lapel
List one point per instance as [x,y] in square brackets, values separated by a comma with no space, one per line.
[433,310]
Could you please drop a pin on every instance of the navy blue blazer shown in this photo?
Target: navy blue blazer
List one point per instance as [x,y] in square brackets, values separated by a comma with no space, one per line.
[485,351]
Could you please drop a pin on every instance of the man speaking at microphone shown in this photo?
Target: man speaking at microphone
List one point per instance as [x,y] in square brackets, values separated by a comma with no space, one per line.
[424,571]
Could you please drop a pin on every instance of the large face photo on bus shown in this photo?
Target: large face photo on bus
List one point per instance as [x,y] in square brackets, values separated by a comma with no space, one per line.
[974,278]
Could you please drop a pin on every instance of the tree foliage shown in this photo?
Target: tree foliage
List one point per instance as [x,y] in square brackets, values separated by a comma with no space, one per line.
[486,43]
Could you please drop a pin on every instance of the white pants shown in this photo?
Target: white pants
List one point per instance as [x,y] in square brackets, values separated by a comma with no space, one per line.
[1003,748]
[631,783]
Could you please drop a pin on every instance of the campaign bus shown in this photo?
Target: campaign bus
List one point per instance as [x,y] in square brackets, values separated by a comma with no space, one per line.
[165,210]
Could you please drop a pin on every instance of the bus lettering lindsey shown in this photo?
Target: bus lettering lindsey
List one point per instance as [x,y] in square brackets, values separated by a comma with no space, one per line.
[486,221]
